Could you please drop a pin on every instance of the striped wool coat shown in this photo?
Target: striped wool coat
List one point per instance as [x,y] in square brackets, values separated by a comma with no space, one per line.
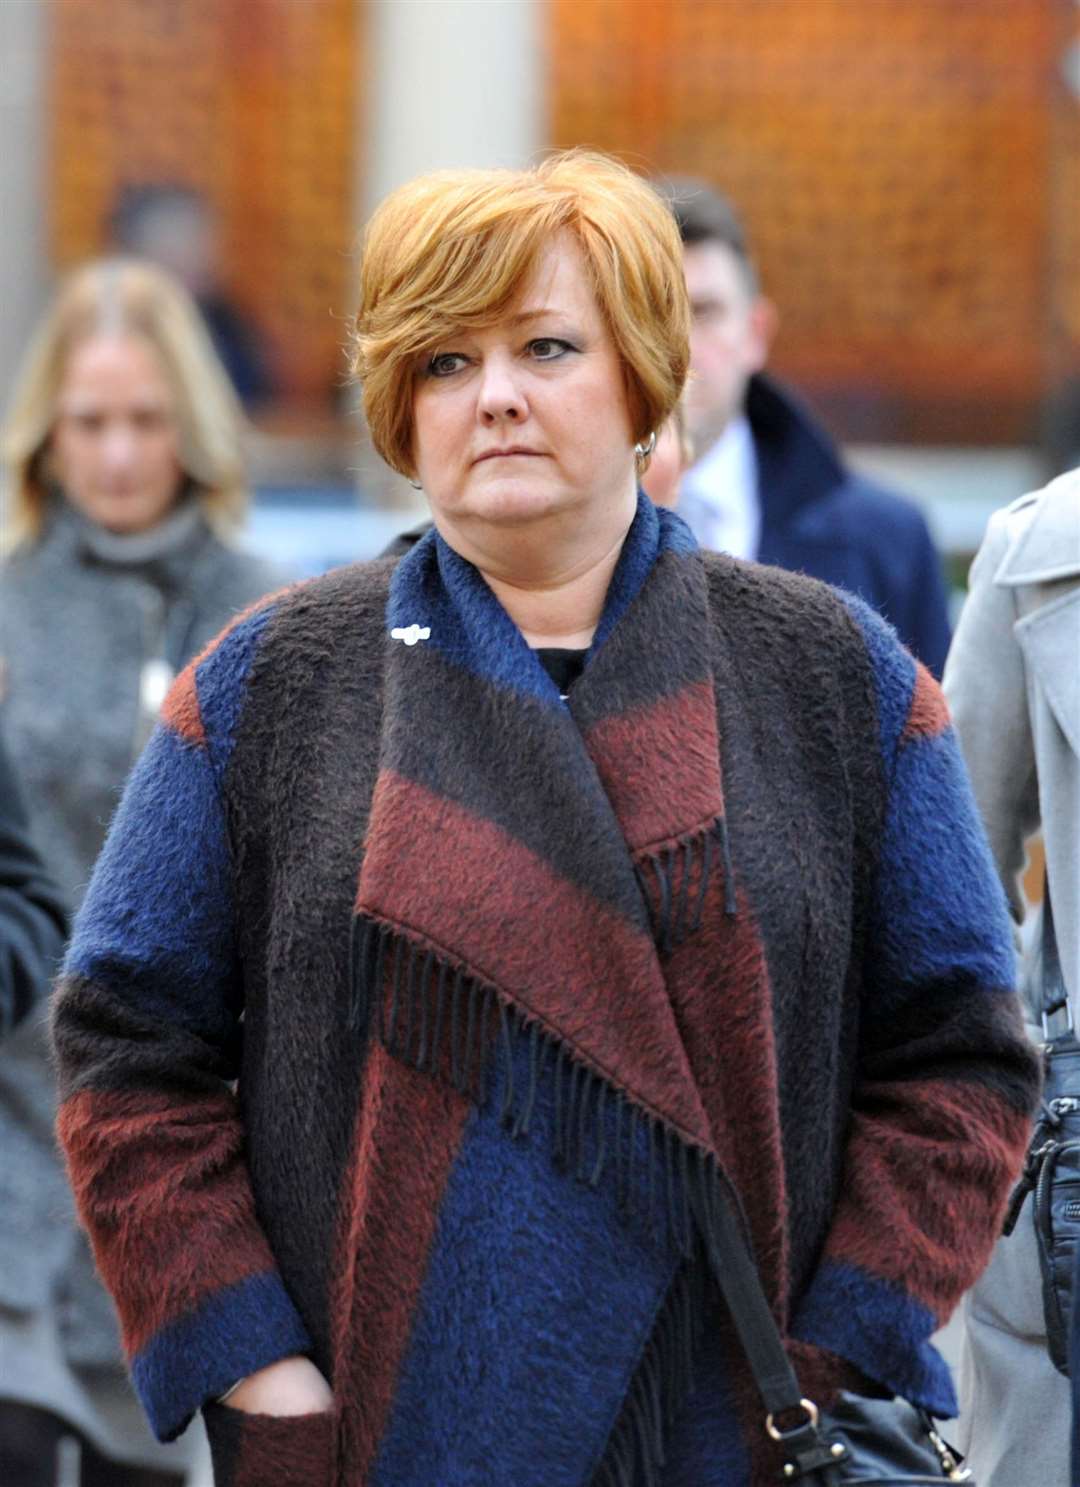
[412,1010]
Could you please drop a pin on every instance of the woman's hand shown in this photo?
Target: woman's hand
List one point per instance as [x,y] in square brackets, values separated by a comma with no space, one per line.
[292,1386]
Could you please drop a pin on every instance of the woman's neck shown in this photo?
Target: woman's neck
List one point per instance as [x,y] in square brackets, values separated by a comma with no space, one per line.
[551,584]
[561,610]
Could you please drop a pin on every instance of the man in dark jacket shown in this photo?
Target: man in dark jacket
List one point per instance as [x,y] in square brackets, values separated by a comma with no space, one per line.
[768,483]
[32,918]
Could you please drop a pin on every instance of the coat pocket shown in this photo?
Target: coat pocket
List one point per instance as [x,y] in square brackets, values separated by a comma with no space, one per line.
[271,1450]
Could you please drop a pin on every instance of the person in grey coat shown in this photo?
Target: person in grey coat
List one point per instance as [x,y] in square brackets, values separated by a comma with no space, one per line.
[1013,683]
[33,920]
[124,477]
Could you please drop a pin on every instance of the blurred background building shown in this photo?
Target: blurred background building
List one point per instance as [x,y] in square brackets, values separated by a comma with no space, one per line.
[909,171]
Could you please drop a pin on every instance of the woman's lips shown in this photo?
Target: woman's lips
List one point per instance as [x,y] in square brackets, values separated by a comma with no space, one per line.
[497,454]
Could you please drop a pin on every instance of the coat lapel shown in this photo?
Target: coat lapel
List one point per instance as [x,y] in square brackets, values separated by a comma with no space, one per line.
[1048,553]
[1050,639]
[495,847]
[1049,547]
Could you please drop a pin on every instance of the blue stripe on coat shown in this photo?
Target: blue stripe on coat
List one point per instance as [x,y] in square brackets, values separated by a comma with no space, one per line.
[654,532]
[221,683]
[940,904]
[235,1332]
[881,1329]
[706,1447]
[535,1308]
[894,675]
[157,918]
[940,908]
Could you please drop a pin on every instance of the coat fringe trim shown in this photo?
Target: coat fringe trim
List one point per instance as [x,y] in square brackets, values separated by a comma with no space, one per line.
[674,881]
[636,1450]
[436,1018]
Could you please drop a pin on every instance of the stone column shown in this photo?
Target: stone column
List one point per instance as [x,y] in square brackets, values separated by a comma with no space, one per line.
[23,267]
[449,82]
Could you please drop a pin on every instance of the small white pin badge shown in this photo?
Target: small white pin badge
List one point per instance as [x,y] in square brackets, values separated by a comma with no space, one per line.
[410,634]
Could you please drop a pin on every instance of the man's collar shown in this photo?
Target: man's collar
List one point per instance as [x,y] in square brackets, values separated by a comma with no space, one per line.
[797,461]
[733,450]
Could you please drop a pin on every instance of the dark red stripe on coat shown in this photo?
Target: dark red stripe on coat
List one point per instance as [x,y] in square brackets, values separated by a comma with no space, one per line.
[180,710]
[408,1134]
[589,976]
[287,1450]
[928,715]
[660,766]
[722,998]
[926,1181]
[186,1165]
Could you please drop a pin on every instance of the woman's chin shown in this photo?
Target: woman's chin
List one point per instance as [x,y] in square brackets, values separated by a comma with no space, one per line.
[513,503]
[123,515]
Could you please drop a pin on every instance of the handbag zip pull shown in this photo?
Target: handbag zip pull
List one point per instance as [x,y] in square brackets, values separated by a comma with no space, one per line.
[953,1468]
[951,1465]
[1033,1164]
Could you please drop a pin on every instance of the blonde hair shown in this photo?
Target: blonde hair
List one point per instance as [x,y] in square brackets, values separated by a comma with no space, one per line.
[453,249]
[125,296]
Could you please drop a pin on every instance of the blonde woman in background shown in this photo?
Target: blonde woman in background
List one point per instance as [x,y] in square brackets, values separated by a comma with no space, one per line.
[123,476]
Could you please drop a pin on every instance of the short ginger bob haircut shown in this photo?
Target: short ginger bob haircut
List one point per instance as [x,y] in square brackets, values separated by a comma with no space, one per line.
[125,296]
[453,250]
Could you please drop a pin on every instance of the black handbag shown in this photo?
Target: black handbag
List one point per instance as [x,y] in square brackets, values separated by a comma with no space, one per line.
[859,1442]
[1052,1167]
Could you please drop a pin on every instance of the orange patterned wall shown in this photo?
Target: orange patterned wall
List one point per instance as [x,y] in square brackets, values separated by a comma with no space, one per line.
[909,169]
[252,102]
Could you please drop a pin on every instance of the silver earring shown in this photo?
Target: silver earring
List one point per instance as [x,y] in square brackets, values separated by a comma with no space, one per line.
[416,485]
[643,451]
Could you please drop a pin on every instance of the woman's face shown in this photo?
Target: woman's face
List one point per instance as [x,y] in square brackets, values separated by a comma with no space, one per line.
[115,443]
[528,418]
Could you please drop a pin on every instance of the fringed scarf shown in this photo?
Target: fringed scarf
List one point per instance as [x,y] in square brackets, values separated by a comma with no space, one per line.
[531,865]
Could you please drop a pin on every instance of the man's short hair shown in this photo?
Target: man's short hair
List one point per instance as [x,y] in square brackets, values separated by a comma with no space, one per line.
[704,215]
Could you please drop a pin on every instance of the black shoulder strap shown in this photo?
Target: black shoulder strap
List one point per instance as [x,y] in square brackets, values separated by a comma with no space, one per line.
[1056,1013]
[737,1276]
[790,1419]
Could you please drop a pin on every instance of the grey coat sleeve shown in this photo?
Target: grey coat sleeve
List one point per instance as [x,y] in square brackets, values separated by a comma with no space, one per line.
[986,689]
[33,920]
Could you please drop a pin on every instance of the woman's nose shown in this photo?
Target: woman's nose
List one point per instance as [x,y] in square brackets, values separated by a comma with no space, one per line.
[501,396]
[119,446]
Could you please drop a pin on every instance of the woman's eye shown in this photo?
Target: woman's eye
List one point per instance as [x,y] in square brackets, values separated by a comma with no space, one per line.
[149,420]
[445,364]
[548,348]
